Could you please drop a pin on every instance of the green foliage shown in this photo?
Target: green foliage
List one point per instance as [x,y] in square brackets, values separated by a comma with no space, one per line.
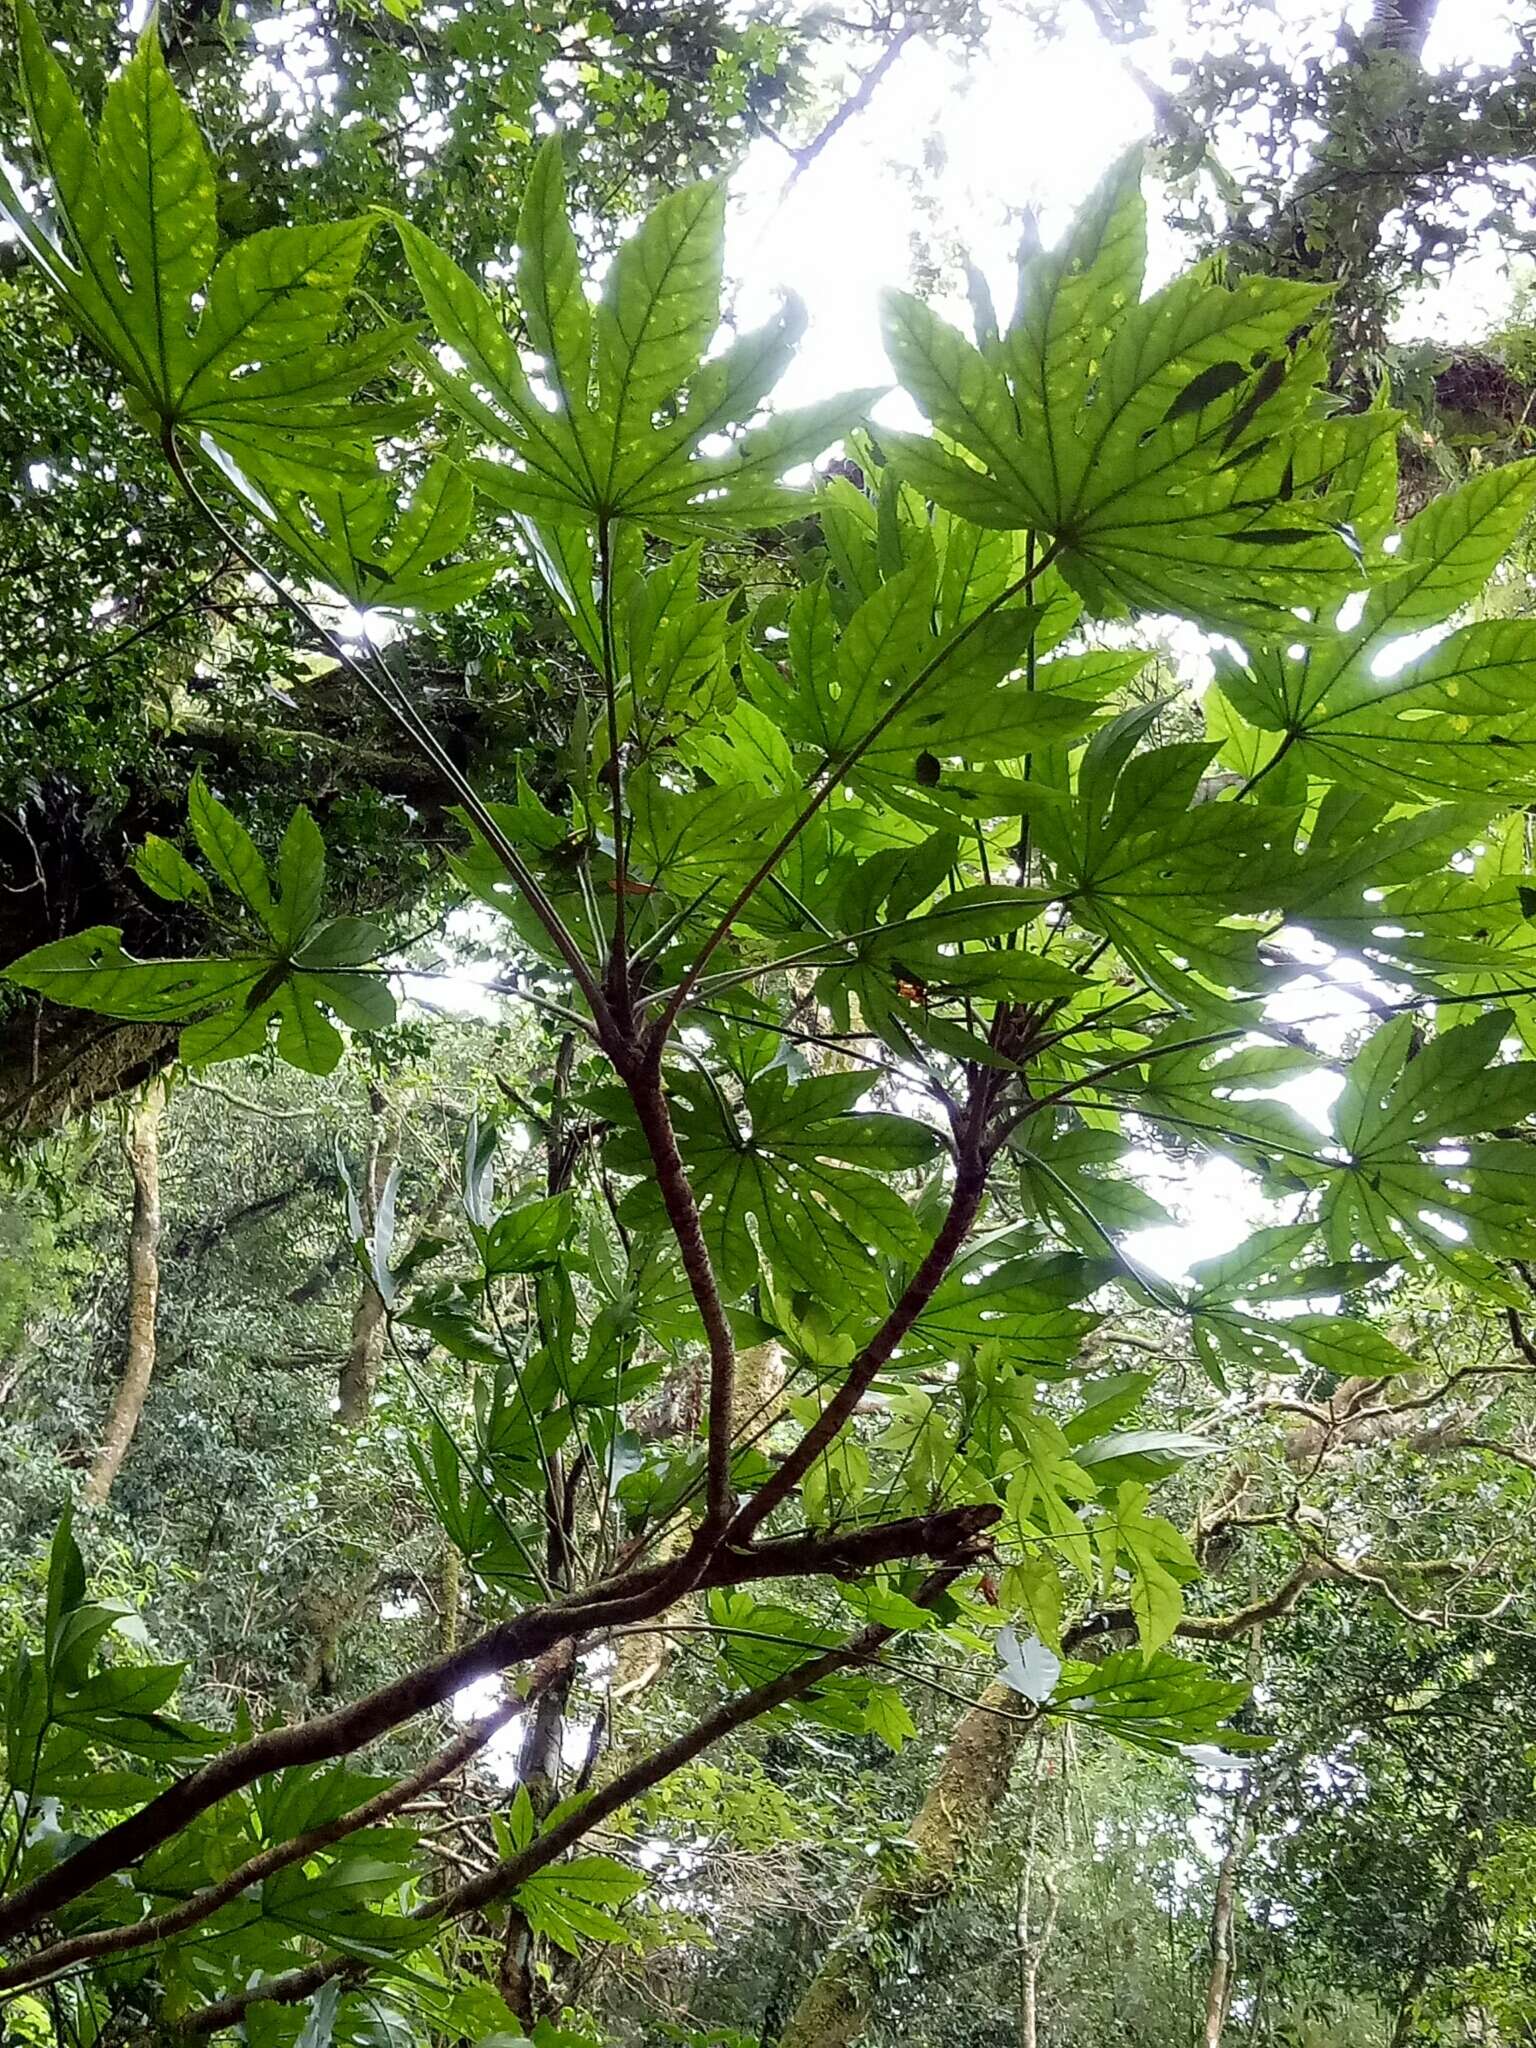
[1167,445]
[304,967]
[136,244]
[600,456]
[883,918]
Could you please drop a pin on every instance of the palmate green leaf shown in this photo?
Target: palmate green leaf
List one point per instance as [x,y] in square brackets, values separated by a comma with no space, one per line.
[1216,1094]
[230,851]
[90,971]
[802,1167]
[842,689]
[527,1237]
[1277,1264]
[689,841]
[1070,1179]
[1151,1553]
[869,537]
[1458,718]
[1141,1454]
[162,868]
[1279,1267]
[472,1516]
[1045,1487]
[363,539]
[892,968]
[232,1003]
[346,1904]
[673,649]
[1363,856]
[1169,447]
[576,1900]
[1416,1178]
[1461,930]
[1467,929]
[297,971]
[1157,1702]
[635,400]
[1175,884]
[135,251]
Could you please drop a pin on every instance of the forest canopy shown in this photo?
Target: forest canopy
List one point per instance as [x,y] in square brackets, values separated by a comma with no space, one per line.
[766,1123]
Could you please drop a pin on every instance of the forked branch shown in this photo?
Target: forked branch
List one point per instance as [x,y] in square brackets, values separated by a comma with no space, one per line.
[636,1596]
[505,1877]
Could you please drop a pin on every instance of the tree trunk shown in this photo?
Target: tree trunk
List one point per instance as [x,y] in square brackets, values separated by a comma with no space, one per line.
[1032,1948]
[365,1346]
[538,1768]
[1034,1942]
[1431,1950]
[141,1147]
[1223,1942]
[954,1817]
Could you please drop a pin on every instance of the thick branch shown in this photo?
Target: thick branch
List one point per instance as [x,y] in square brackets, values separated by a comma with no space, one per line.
[635,1596]
[1207,1628]
[112,1941]
[506,1876]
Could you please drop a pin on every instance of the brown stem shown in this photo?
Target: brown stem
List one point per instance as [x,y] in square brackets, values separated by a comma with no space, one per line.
[964,1205]
[635,1596]
[365,1345]
[648,1094]
[141,1147]
[855,104]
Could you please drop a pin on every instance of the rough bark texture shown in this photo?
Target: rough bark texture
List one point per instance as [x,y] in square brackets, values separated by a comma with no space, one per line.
[55,1064]
[835,2009]
[449,1594]
[141,1146]
[1223,1938]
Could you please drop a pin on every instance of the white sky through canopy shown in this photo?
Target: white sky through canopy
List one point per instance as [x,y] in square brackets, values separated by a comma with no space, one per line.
[1018,125]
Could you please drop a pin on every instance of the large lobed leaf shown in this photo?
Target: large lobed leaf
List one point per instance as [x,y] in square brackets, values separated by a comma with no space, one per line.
[236,347]
[1173,447]
[297,970]
[635,401]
